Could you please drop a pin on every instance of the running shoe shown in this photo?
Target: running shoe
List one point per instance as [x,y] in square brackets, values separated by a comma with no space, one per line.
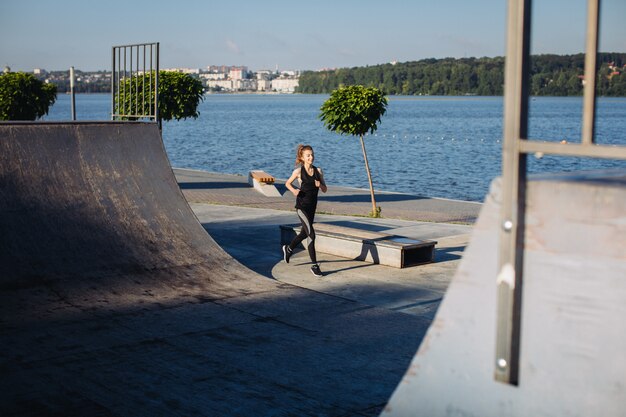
[286,253]
[315,269]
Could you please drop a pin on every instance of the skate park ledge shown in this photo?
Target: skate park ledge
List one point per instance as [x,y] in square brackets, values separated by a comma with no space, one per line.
[365,245]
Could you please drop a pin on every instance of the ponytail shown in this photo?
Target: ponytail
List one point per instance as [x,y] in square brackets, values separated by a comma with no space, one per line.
[301,148]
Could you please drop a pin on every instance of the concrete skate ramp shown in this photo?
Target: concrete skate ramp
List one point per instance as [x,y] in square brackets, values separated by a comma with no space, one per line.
[115,301]
[92,200]
[573,312]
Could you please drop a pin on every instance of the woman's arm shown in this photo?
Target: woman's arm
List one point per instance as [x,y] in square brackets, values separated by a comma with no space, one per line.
[321,183]
[295,174]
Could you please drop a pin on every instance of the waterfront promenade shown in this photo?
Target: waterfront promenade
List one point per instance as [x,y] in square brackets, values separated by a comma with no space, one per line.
[246,225]
[233,190]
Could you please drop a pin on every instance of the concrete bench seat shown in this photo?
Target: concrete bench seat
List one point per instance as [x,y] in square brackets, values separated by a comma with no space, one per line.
[366,245]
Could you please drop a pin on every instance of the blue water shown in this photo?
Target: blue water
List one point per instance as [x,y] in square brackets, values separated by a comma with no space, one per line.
[434,146]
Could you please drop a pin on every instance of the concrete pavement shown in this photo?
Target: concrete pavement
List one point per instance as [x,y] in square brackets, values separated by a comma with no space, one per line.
[246,225]
[228,189]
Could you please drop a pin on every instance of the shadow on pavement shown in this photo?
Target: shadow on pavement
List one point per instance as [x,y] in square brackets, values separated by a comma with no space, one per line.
[365,198]
[211,185]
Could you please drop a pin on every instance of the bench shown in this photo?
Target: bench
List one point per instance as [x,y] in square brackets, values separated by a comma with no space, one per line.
[263,183]
[262,176]
[365,245]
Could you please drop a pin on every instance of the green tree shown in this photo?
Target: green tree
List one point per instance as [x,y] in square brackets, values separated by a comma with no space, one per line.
[618,85]
[24,97]
[574,86]
[355,110]
[179,95]
[551,75]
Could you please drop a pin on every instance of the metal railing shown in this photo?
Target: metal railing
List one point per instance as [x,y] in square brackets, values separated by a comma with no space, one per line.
[135,82]
[516,147]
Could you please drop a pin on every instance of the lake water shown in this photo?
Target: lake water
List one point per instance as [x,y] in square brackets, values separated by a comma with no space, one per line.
[446,147]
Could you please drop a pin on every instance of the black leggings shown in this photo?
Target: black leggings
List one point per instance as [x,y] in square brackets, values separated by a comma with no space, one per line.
[307,232]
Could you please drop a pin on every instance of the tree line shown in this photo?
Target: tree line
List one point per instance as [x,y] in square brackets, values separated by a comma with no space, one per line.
[86,82]
[550,75]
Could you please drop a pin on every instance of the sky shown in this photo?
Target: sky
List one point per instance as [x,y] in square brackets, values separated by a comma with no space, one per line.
[290,35]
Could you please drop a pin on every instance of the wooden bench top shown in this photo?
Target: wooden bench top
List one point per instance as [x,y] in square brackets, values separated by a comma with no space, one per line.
[262,176]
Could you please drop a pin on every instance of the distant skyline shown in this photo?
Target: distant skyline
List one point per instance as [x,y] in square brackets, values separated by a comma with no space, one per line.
[300,35]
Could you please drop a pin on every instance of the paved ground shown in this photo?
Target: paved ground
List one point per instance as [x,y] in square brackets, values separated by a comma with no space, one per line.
[249,231]
[252,237]
[213,188]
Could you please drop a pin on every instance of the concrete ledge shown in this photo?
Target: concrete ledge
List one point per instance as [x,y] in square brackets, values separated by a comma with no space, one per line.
[263,183]
[364,245]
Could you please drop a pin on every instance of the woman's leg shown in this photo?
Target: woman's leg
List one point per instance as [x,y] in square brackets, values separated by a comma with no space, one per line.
[299,238]
[307,232]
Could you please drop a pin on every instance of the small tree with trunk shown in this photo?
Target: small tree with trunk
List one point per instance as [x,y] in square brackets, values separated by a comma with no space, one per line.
[355,110]
[24,97]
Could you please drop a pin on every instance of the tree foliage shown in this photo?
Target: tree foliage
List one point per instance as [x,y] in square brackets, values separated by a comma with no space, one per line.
[355,110]
[179,95]
[550,75]
[24,97]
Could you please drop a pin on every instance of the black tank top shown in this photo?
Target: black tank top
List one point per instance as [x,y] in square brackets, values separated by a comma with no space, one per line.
[307,197]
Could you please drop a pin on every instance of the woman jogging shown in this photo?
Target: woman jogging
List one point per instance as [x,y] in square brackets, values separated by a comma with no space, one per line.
[311,181]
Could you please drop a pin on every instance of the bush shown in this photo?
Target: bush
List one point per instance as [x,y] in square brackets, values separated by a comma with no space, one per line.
[24,97]
[179,95]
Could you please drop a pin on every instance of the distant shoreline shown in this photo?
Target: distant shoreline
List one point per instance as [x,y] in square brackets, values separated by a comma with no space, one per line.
[390,97]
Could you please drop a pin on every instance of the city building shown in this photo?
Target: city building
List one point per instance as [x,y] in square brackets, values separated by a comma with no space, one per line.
[214,76]
[284,85]
[263,85]
[183,70]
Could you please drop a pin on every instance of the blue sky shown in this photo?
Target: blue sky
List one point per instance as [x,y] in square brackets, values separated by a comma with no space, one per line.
[296,34]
